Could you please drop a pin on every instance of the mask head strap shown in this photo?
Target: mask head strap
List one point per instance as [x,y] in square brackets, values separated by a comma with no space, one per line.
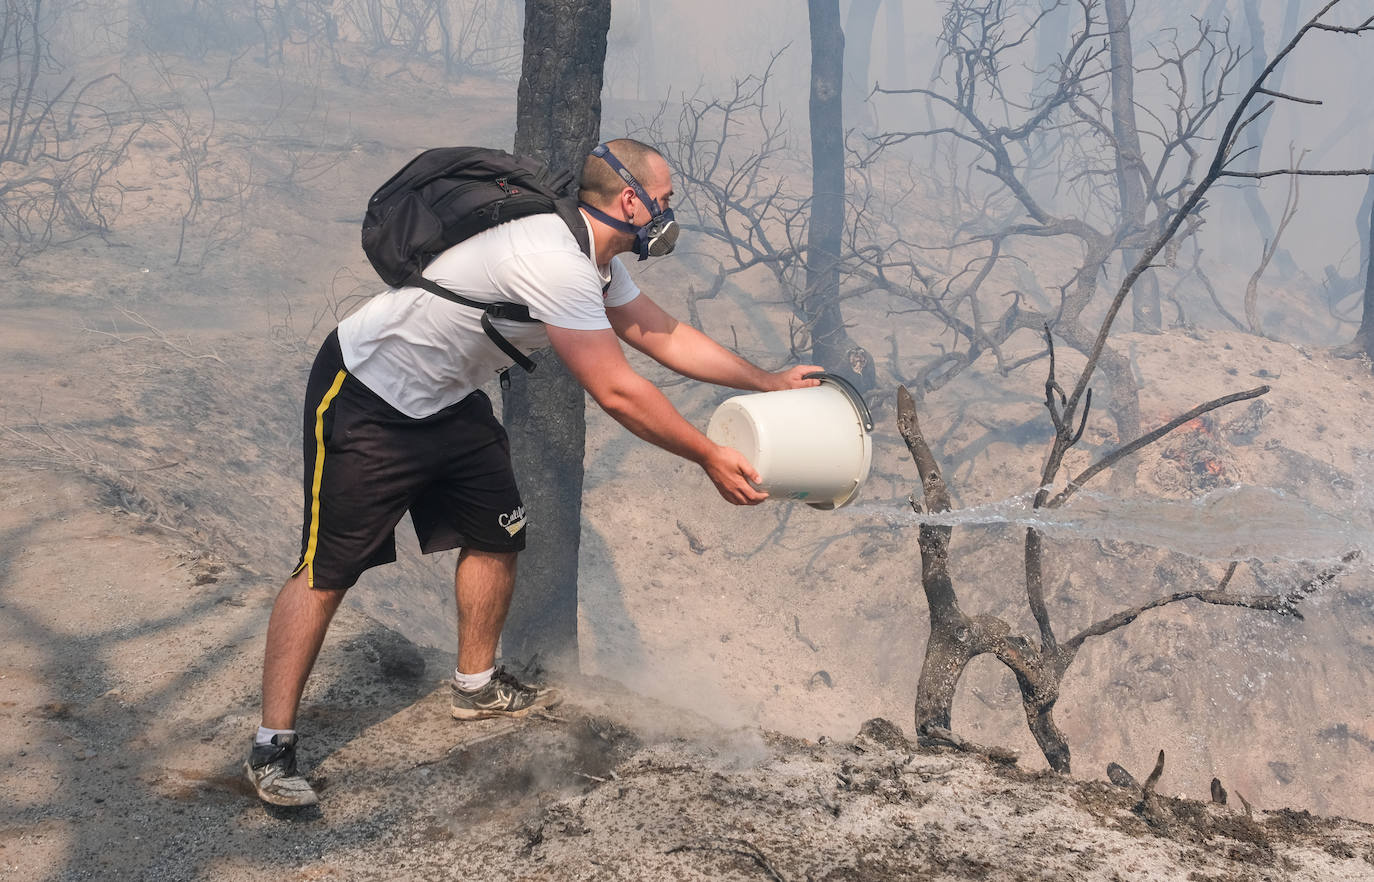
[614,223]
[604,152]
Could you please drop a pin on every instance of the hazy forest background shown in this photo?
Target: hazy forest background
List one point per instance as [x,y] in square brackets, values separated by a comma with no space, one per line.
[181,185]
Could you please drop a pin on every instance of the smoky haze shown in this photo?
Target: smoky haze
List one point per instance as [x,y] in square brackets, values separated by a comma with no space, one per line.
[183,184]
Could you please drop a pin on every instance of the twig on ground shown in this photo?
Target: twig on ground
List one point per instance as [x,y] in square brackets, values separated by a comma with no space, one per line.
[157,336]
[940,735]
[740,847]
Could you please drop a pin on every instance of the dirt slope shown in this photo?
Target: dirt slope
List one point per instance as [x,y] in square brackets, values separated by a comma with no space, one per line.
[125,715]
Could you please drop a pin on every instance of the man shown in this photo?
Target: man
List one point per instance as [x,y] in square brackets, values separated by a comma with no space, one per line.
[395,422]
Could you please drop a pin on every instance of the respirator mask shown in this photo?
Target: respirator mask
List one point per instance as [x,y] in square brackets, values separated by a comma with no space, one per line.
[659,235]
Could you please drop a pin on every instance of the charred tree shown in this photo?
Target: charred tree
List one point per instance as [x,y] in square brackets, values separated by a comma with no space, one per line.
[1130,161]
[820,303]
[1364,338]
[859,24]
[1040,661]
[1254,136]
[1037,662]
[61,141]
[558,120]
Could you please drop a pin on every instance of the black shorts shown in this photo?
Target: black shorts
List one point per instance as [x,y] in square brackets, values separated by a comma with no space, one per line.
[367,464]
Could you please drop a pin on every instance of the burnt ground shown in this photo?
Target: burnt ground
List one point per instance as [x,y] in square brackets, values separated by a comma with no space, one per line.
[126,717]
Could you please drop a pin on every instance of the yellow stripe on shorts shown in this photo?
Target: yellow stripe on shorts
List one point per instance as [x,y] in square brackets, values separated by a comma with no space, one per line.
[309,557]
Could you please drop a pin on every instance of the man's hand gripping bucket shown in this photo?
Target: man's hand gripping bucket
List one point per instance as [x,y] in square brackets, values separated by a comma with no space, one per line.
[813,444]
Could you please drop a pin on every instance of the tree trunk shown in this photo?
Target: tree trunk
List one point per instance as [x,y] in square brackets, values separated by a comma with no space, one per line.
[558,120]
[1040,720]
[1253,136]
[895,49]
[858,55]
[944,663]
[1051,39]
[1145,307]
[820,308]
[1364,337]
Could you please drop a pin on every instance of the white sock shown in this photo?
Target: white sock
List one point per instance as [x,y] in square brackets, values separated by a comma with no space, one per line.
[472,682]
[265,734]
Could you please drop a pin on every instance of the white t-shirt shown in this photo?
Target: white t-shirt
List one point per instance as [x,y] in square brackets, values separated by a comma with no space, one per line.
[421,353]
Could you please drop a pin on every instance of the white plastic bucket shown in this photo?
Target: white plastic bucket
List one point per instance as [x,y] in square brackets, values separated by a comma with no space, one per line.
[808,444]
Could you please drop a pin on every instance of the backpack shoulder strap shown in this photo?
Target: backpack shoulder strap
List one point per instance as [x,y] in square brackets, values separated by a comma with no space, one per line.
[512,311]
[566,207]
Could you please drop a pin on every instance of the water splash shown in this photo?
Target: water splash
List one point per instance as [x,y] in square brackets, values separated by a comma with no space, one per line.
[1241,522]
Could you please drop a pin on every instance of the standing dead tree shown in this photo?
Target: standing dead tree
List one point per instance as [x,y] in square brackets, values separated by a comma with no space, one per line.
[739,187]
[1363,344]
[1072,120]
[1039,663]
[1075,116]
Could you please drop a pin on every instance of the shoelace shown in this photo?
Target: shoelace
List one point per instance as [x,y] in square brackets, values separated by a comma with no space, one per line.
[281,750]
[501,676]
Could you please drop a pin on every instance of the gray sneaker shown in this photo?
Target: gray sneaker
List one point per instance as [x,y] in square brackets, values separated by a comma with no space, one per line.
[271,769]
[504,696]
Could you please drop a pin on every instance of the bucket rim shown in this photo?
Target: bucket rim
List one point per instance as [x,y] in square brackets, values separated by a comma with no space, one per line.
[850,391]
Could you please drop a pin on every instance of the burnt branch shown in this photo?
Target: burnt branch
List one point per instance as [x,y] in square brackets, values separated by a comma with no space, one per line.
[740,847]
[1283,604]
[1302,172]
[1287,97]
[935,492]
[939,735]
[1110,459]
[1149,805]
[1276,603]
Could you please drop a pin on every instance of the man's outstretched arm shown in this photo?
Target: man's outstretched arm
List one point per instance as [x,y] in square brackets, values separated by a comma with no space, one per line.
[682,348]
[596,360]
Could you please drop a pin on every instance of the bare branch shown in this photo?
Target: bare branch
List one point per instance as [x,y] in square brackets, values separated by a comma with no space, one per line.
[1288,97]
[1277,603]
[1313,172]
[1147,439]
[936,493]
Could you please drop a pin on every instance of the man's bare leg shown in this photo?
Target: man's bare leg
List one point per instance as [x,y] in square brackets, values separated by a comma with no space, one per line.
[295,634]
[484,582]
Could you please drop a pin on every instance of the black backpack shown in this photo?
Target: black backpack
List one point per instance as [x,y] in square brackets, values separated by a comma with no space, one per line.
[449,194]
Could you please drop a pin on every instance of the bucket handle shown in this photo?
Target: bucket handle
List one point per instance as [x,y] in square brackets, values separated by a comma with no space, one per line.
[855,397]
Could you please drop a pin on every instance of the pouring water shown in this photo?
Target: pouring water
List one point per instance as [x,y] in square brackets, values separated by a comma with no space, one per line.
[1239,522]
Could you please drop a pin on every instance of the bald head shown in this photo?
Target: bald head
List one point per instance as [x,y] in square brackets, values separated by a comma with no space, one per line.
[601,184]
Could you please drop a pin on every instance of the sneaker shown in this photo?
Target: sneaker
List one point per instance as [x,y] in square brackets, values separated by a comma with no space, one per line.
[271,769]
[504,696]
